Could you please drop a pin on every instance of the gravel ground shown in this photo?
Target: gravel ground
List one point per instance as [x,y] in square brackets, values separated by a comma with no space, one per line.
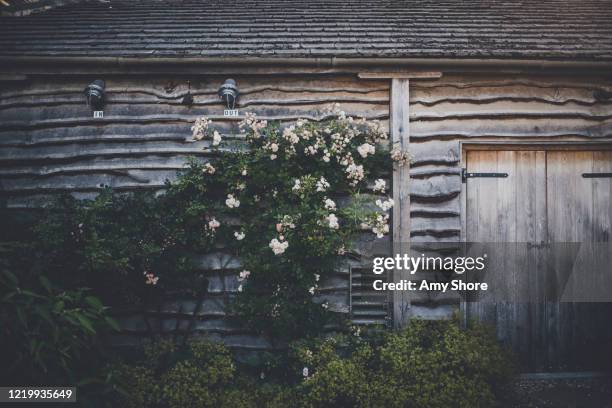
[575,393]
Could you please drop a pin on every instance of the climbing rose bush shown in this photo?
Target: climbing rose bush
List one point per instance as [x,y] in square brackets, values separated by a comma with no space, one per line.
[289,205]
[288,201]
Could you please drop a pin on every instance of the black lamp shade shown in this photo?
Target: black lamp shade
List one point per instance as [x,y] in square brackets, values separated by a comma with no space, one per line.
[95,94]
[229,93]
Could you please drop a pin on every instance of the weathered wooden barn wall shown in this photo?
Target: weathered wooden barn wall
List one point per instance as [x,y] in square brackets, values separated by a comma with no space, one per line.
[498,108]
[49,143]
[487,108]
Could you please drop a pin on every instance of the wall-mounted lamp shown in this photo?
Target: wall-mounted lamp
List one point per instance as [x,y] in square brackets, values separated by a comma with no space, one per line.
[229,93]
[95,94]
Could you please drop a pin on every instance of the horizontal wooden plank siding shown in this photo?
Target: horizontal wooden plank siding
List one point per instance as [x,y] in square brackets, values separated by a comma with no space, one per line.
[49,143]
[487,108]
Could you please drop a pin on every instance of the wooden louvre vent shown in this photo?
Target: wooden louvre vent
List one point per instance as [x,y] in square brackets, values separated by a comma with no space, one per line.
[368,306]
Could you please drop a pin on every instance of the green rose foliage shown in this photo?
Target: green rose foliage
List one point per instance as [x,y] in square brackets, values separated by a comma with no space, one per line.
[111,242]
[288,203]
[284,193]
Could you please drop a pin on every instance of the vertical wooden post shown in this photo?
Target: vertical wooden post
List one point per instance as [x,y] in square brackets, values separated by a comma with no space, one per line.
[399,125]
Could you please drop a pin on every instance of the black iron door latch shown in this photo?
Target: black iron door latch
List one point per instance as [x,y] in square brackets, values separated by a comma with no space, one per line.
[597,175]
[466,174]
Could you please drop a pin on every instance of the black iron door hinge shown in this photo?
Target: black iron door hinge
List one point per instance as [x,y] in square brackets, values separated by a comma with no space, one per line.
[597,175]
[465,175]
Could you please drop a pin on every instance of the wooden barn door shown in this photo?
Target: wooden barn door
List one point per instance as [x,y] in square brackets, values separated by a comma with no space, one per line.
[544,199]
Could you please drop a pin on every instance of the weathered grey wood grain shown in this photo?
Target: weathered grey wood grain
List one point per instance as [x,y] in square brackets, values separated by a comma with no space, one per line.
[400,128]
[544,199]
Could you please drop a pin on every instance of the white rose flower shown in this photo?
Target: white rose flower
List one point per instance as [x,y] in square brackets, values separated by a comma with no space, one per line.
[366,149]
[278,247]
[330,204]
[239,235]
[151,278]
[380,185]
[244,275]
[200,128]
[250,121]
[232,202]
[214,224]
[355,173]
[381,226]
[311,290]
[310,150]
[290,135]
[208,168]
[275,310]
[216,138]
[385,205]
[332,220]
[297,185]
[322,184]
[399,156]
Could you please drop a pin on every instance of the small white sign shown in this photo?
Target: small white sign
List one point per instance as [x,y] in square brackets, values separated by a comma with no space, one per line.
[230,112]
[98,114]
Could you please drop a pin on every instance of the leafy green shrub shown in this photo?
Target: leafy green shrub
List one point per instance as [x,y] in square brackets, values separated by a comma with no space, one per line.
[199,375]
[49,335]
[429,364]
[137,386]
[198,381]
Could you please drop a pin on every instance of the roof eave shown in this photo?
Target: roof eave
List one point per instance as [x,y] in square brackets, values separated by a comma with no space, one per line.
[40,64]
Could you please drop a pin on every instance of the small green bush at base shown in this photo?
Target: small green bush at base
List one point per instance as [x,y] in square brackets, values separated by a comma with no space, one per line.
[429,364]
